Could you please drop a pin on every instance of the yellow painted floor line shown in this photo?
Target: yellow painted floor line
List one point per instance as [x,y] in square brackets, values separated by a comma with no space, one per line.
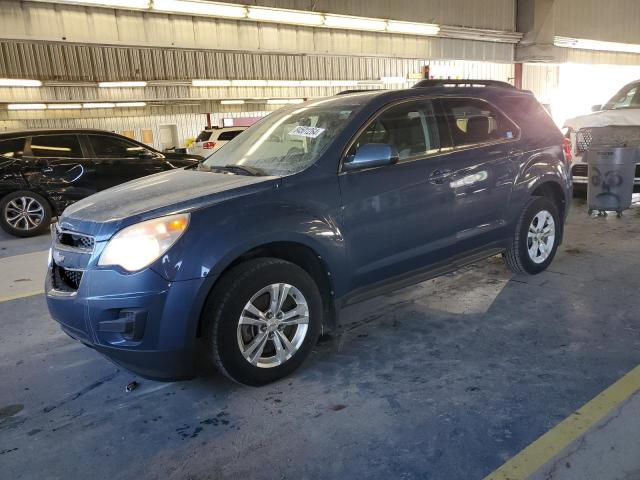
[20,295]
[545,448]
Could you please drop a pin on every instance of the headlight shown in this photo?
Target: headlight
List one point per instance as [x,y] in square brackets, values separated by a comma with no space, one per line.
[139,245]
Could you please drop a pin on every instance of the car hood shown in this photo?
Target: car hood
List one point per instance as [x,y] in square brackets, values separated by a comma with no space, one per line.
[157,195]
[606,118]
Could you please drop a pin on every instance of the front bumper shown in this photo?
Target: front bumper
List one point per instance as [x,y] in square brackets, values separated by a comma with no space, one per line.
[140,321]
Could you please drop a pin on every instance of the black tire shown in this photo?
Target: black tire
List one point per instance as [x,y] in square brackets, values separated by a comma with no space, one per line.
[29,230]
[517,255]
[226,304]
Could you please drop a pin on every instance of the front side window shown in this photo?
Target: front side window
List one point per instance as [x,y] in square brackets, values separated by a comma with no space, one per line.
[411,127]
[113,147]
[474,121]
[63,146]
[628,98]
[12,148]
[289,140]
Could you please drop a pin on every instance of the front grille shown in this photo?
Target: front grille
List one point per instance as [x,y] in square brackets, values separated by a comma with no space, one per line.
[584,138]
[580,170]
[71,253]
[65,280]
[74,240]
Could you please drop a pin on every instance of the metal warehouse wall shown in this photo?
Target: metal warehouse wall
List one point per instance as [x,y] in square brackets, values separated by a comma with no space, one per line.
[189,125]
[608,20]
[86,25]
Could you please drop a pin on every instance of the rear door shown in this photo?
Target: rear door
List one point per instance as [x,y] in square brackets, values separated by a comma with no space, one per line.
[396,217]
[119,160]
[480,169]
[59,166]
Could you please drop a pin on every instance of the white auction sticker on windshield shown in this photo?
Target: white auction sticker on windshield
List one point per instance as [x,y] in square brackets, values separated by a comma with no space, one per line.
[310,132]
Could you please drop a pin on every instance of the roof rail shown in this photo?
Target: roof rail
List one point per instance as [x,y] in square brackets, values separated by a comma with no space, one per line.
[462,83]
[345,92]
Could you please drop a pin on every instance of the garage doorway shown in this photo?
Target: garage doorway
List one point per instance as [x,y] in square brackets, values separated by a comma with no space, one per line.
[168,136]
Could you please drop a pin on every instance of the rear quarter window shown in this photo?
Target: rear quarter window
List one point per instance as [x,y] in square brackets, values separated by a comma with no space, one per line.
[230,135]
[204,136]
[12,148]
[534,121]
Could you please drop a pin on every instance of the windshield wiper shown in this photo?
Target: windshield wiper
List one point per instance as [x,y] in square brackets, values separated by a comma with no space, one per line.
[243,169]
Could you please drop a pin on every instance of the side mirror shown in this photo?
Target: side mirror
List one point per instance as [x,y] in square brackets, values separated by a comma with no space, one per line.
[372,155]
[596,108]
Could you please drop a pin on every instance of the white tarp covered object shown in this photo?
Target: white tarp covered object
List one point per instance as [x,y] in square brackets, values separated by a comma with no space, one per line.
[628,117]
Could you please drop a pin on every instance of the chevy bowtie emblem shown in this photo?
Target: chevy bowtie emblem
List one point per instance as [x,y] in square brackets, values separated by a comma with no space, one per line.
[59,259]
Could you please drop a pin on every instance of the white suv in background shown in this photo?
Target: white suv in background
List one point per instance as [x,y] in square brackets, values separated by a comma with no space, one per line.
[211,140]
[617,122]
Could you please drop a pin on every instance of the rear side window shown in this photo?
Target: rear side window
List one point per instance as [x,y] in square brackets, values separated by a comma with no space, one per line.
[229,135]
[474,122]
[412,127]
[114,147]
[64,146]
[12,148]
[204,136]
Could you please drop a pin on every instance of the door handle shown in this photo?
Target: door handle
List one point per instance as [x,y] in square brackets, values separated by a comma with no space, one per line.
[515,154]
[439,176]
[47,170]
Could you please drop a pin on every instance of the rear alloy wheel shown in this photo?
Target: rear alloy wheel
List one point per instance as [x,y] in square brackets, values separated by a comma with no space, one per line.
[261,320]
[535,241]
[24,214]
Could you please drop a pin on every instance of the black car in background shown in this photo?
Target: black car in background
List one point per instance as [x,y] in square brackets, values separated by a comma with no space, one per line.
[44,171]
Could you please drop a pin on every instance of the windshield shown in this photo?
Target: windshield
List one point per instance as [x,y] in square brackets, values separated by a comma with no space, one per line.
[287,141]
[625,98]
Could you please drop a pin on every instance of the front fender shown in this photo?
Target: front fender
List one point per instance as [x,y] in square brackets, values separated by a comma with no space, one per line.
[209,247]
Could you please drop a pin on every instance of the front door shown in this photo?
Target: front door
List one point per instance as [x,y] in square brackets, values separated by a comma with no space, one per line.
[396,218]
[119,160]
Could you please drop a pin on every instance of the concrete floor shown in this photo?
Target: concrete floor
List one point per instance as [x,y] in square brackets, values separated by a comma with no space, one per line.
[444,380]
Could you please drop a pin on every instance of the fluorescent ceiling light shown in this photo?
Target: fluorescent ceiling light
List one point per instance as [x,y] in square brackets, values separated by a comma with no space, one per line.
[284,83]
[121,84]
[412,28]
[139,4]
[98,105]
[232,102]
[63,106]
[393,80]
[200,8]
[355,23]
[284,101]
[249,83]
[26,106]
[130,104]
[586,44]
[285,16]
[17,82]
[211,83]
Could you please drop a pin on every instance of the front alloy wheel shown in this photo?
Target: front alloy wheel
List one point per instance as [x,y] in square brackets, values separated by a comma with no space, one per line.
[273,325]
[261,320]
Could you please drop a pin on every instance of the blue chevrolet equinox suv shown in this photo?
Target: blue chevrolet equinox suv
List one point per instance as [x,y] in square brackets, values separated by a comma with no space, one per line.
[250,255]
